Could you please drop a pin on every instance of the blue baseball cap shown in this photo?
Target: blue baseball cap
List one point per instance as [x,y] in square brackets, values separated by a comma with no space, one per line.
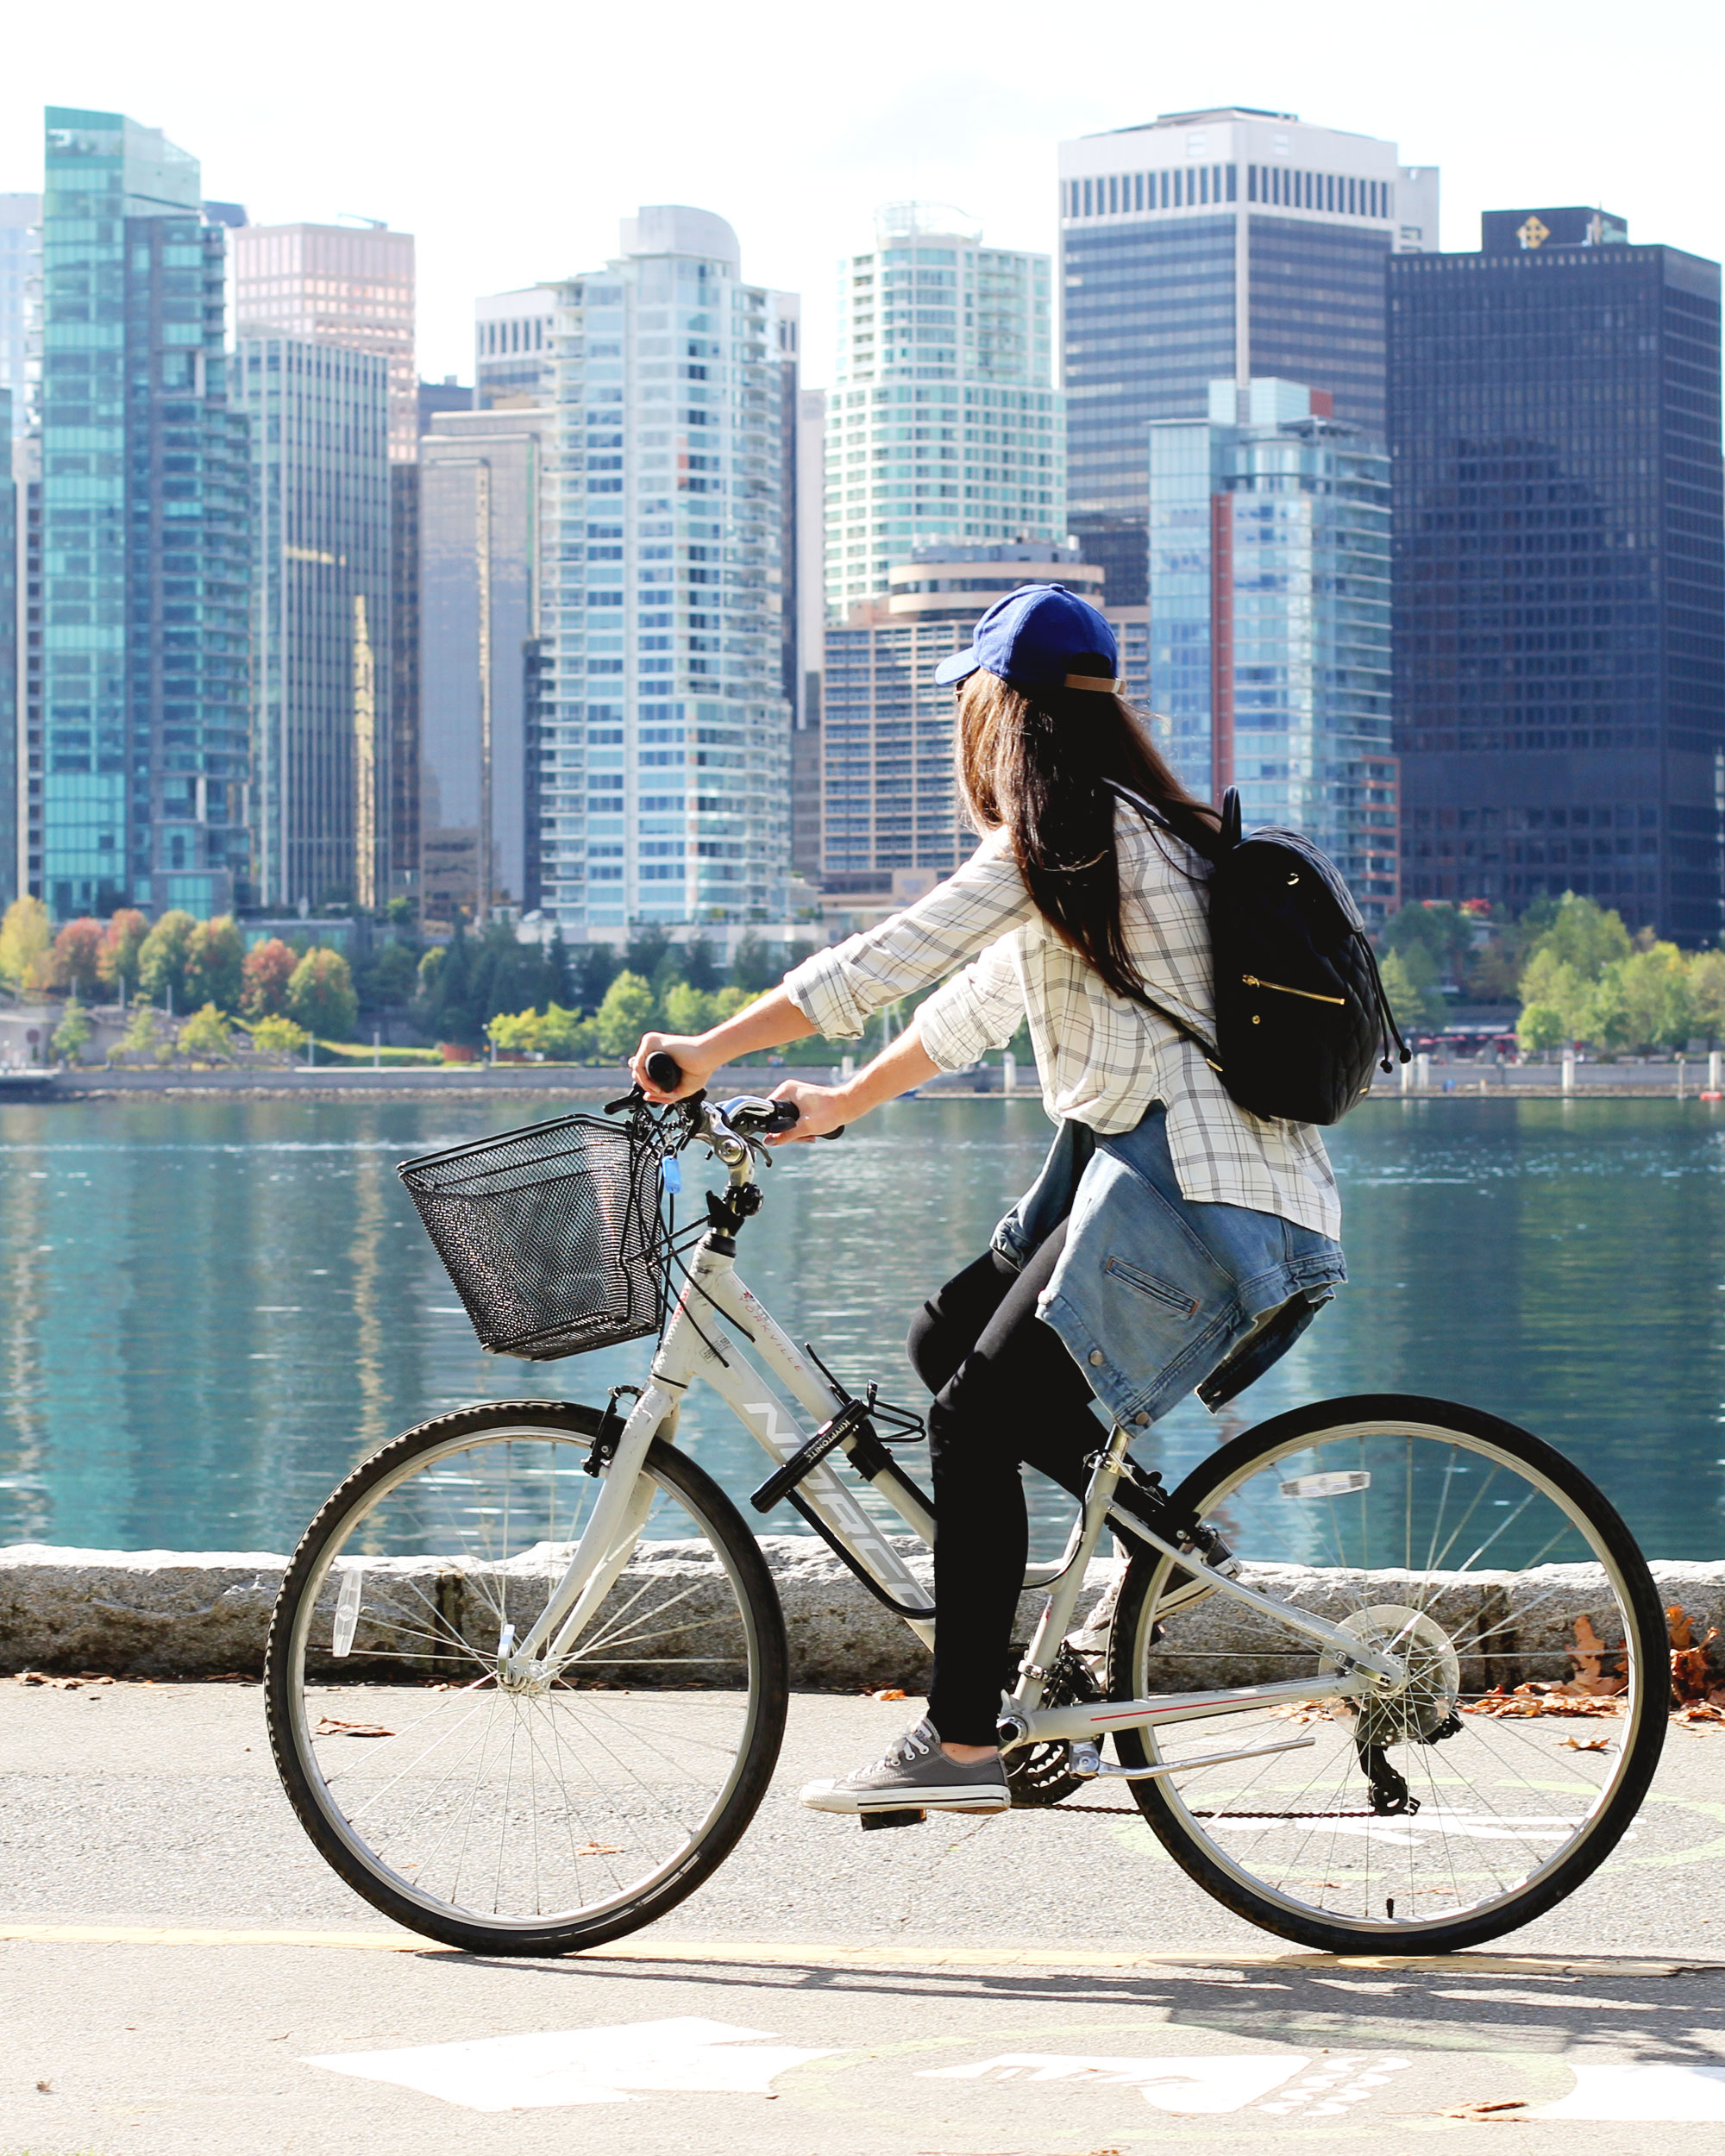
[1030,639]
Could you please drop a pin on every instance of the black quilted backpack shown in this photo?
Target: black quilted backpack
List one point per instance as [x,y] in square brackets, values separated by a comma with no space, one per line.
[1301,1011]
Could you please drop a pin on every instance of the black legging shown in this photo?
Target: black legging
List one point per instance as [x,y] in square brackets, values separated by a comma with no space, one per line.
[1006,1391]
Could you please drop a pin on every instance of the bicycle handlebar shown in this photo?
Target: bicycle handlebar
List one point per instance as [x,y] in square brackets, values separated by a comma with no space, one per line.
[666,1073]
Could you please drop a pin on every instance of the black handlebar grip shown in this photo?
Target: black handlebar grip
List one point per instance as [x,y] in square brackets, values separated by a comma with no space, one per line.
[664,1071]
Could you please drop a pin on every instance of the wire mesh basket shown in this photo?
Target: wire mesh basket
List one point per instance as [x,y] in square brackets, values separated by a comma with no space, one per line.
[552,1235]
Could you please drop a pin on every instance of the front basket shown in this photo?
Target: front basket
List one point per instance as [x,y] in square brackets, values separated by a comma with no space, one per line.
[552,1235]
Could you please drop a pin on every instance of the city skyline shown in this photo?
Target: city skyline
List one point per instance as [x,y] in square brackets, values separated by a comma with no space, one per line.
[938,117]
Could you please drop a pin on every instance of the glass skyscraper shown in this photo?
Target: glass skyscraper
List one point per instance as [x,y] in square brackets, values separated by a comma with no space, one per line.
[1270,619]
[663,742]
[944,427]
[1560,570]
[319,418]
[145,566]
[21,271]
[1204,244]
[482,575]
[335,284]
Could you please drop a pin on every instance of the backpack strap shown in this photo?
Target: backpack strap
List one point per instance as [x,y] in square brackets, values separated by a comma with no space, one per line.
[1154,815]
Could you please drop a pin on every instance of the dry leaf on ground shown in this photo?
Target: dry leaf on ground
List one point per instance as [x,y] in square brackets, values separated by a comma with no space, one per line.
[1484,2111]
[330,1727]
[890,1692]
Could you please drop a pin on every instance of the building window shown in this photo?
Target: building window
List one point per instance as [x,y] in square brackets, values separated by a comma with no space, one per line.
[1088,197]
[1114,194]
[1138,190]
[1234,183]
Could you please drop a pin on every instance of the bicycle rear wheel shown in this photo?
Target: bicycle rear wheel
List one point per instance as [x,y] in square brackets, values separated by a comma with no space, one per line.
[1532,1632]
[527,1817]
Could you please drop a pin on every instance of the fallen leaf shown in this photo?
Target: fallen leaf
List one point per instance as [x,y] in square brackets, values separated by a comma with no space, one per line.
[892,1692]
[1584,1744]
[600,1849]
[1484,2110]
[44,2088]
[330,1727]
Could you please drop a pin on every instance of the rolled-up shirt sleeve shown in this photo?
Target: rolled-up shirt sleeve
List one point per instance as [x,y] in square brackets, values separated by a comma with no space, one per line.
[838,989]
[978,1008]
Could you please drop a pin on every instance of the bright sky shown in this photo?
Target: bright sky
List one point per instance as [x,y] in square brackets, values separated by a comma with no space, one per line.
[510,139]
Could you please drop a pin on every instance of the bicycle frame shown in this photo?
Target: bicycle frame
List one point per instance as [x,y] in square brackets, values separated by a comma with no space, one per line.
[693,1348]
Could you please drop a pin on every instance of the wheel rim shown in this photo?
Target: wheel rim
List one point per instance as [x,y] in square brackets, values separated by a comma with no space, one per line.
[1491,1572]
[510,1806]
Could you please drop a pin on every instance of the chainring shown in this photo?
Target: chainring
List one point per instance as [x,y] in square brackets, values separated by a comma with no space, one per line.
[1038,1776]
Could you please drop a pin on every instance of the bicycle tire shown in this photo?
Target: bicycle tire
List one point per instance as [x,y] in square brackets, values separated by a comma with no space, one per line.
[1139,1664]
[736,1563]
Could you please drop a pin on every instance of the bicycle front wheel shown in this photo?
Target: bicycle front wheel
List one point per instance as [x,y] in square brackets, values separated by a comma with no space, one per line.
[1505,1767]
[537,1814]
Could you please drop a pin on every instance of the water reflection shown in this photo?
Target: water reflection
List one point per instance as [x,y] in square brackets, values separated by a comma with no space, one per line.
[210,1312]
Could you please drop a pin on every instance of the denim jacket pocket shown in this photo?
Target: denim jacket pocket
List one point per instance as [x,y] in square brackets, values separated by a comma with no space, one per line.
[1160,1291]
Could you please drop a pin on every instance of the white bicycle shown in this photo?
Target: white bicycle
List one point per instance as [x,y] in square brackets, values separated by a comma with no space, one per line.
[527,1676]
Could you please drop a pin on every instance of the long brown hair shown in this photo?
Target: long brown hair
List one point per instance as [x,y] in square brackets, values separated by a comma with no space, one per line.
[1040,765]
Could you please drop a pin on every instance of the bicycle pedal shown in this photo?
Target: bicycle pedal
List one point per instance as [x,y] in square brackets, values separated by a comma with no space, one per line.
[892,1818]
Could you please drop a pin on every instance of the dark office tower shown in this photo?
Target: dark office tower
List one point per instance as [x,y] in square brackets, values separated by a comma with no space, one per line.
[1208,244]
[144,540]
[1560,570]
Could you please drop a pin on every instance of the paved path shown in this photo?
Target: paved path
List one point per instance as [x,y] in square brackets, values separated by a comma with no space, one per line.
[187,1979]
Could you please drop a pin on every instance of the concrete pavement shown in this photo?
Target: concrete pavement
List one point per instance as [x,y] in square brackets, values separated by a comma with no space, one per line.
[185,1975]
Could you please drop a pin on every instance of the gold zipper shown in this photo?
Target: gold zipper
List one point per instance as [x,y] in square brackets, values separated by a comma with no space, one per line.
[1252,980]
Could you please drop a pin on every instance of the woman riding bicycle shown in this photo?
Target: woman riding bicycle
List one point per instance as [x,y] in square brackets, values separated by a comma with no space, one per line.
[1172,1243]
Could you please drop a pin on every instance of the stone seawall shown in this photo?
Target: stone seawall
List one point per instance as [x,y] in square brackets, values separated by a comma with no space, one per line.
[170,1613]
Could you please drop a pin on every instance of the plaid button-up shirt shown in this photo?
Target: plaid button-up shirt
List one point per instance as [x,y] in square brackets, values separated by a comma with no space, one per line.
[1102,1060]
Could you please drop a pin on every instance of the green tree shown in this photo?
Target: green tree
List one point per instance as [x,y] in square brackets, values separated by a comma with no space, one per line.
[276,1036]
[625,1014]
[1584,934]
[142,1036]
[161,960]
[121,941]
[391,978]
[264,974]
[594,965]
[753,968]
[320,995]
[1642,1002]
[701,969]
[1410,998]
[646,949]
[72,1035]
[1540,1028]
[76,963]
[26,940]
[1441,930]
[688,1010]
[205,1034]
[1707,988]
[214,961]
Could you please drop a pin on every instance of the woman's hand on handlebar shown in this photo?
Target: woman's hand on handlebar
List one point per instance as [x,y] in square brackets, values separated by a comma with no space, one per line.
[821,1110]
[691,1054]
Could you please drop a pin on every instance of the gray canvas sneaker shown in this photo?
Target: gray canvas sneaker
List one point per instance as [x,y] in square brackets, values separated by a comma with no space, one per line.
[916,1774]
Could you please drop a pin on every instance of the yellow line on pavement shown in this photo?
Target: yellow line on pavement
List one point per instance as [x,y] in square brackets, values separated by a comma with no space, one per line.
[869,1954]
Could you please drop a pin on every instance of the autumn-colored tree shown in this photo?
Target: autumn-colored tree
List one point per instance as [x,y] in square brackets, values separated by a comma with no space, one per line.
[161,960]
[268,969]
[26,940]
[320,995]
[76,962]
[121,941]
[278,1037]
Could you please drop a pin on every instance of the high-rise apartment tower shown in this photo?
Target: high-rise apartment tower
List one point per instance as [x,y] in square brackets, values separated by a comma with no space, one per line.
[944,427]
[1204,244]
[1560,570]
[146,565]
[664,736]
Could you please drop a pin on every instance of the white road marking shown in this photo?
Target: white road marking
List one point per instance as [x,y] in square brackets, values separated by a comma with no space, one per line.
[1640,2089]
[1208,2084]
[582,2065]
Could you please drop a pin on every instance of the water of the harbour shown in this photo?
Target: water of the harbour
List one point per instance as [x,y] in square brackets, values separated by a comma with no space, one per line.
[209,1312]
